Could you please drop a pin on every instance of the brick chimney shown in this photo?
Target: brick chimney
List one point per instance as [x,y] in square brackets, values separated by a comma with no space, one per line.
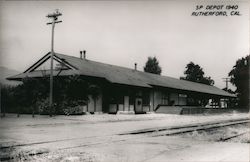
[84,54]
[80,54]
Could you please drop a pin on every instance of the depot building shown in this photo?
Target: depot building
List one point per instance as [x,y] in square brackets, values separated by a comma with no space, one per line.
[125,89]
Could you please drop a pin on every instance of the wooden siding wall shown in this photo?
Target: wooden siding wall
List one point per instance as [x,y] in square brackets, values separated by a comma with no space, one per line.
[131,108]
[146,108]
[120,107]
[151,97]
[156,99]
[90,107]
[174,97]
[182,101]
[99,104]
[126,103]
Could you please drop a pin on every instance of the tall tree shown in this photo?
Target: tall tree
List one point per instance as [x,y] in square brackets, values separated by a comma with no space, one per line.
[195,73]
[152,66]
[239,77]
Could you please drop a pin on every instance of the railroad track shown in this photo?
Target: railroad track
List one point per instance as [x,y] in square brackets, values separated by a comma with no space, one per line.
[144,133]
[232,136]
[174,130]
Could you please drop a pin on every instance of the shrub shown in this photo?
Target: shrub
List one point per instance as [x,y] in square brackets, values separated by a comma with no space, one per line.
[32,96]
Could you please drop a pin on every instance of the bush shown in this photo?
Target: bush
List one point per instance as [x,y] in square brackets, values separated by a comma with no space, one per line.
[43,106]
[77,110]
[32,96]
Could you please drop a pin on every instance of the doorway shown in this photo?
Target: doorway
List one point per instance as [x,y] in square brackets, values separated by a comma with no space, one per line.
[138,105]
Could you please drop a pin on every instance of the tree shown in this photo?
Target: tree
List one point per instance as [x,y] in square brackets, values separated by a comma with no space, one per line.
[152,66]
[239,77]
[195,73]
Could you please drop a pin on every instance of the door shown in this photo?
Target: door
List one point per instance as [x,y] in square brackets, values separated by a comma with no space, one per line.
[138,105]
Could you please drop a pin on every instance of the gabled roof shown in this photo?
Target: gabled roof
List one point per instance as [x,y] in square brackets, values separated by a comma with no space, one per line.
[122,75]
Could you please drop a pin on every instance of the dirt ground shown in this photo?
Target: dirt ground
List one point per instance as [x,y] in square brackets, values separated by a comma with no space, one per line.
[96,138]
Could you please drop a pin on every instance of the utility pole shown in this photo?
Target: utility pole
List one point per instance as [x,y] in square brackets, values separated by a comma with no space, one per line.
[54,16]
[246,63]
[226,80]
[0,100]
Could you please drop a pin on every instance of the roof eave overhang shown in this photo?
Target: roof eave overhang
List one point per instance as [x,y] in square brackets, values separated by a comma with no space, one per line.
[211,94]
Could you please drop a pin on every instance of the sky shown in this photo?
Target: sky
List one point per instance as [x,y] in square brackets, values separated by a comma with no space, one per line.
[124,32]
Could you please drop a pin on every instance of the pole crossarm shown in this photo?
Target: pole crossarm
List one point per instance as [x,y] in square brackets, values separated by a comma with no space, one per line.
[54,22]
[54,15]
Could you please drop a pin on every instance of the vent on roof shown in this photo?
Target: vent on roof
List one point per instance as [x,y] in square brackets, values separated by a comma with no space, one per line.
[135,66]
